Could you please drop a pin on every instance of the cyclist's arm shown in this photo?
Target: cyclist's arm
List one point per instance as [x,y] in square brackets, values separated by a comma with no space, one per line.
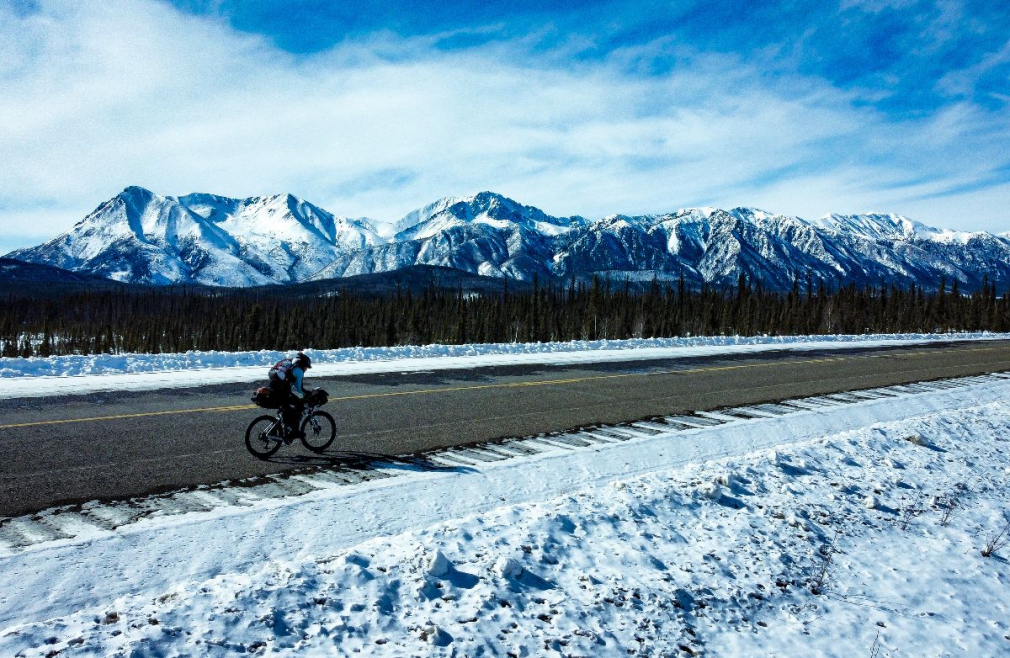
[296,385]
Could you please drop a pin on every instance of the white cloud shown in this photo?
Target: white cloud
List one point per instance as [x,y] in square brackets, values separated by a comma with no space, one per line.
[98,96]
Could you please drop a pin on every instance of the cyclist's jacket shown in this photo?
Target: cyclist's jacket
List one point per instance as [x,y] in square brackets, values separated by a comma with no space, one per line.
[286,375]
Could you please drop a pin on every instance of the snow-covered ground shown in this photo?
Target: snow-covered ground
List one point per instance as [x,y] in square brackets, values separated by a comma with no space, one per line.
[817,532]
[29,377]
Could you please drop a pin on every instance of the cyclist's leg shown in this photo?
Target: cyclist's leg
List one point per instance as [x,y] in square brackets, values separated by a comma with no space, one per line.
[291,414]
[298,408]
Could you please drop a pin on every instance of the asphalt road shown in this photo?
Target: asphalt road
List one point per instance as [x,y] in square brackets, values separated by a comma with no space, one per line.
[117,445]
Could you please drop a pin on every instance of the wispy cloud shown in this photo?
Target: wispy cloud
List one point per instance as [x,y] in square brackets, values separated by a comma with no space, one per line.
[97,96]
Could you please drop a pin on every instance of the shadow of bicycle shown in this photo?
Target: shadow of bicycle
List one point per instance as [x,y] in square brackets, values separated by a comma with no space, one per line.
[366,461]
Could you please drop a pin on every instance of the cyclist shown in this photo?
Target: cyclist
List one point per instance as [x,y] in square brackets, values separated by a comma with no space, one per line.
[286,380]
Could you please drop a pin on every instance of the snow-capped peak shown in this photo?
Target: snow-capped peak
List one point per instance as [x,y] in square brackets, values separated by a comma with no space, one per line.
[877,226]
[755,215]
[211,207]
[483,207]
[136,194]
[283,217]
[421,215]
[702,212]
[149,218]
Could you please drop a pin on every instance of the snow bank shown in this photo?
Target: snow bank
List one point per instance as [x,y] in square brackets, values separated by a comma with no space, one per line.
[647,563]
[104,372]
[101,364]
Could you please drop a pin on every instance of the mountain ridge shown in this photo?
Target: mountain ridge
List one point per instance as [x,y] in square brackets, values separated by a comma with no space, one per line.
[142,237]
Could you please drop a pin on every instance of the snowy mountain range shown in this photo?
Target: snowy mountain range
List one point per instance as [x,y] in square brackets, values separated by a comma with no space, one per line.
[142,237]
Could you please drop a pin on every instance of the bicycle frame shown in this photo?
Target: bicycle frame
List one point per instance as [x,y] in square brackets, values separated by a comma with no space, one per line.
[306,413]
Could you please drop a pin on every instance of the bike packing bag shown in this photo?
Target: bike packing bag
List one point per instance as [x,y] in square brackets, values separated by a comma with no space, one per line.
[317,398]
[266,398]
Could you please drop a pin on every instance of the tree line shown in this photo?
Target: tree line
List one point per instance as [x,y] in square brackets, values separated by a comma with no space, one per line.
[178,320]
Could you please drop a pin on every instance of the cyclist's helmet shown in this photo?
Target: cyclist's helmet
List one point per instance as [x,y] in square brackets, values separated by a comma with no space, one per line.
[303,361]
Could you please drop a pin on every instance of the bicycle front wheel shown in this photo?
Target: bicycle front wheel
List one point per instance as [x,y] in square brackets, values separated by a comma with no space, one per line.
[318,431]
[264,436]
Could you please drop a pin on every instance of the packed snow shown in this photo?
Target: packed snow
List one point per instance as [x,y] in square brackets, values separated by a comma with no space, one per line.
[853,530]
[31,377]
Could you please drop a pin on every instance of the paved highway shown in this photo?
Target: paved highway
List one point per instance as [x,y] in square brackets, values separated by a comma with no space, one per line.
[116,445]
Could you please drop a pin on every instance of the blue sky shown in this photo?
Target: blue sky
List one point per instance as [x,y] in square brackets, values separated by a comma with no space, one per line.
[374,108]
[894,54]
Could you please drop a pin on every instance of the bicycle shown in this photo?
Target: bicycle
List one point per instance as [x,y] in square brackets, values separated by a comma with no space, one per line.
[266,434]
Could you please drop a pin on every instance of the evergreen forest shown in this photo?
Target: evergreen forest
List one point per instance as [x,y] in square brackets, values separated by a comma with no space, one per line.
[178,320]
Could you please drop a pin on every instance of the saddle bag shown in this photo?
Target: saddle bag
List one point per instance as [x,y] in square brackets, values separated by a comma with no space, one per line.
[266,398]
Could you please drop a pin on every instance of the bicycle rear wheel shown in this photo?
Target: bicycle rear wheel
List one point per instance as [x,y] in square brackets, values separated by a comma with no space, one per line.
[264,436]
[318,431]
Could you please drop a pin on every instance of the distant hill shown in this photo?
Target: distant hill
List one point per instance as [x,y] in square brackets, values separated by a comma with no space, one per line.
[21,277]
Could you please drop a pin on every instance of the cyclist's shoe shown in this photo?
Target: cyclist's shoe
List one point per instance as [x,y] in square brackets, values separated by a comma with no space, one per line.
[296,434]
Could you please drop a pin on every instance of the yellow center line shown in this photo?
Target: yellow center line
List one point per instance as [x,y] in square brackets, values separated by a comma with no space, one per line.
[145,414]
[478,387]
[575,380]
